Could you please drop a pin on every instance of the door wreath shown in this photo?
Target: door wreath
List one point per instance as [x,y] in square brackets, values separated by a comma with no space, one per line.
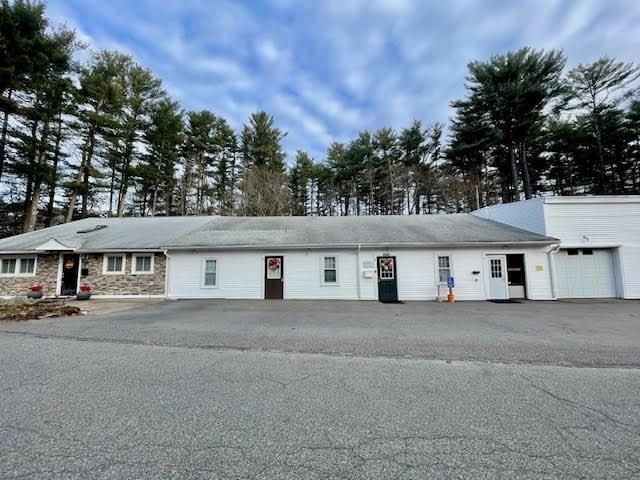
[274,264]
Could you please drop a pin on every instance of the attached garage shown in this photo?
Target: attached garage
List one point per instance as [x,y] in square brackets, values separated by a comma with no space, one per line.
[599,241]
[585,273]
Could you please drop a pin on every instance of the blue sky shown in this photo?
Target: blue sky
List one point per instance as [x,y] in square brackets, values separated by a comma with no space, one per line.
[329,68]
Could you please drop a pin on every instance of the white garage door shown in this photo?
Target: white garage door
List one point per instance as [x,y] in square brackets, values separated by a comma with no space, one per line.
[585,273]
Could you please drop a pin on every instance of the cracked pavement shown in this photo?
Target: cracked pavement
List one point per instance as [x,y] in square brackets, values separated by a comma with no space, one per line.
[78,404]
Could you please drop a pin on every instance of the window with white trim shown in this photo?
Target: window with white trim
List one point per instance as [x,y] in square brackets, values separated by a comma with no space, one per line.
[113,264]
[210,273]
[27,266]
[444,268]
[330,270]
[8,266]
[18,266]
[142,264]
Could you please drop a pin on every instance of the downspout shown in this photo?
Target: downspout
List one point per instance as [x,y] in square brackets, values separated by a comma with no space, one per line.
[552,269]
[358,271]
[166,273]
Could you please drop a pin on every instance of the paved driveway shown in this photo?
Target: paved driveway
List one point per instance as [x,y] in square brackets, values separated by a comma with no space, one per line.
[582,333]
[305,390]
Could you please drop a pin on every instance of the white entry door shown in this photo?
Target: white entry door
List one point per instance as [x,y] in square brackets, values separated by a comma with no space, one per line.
[497,273]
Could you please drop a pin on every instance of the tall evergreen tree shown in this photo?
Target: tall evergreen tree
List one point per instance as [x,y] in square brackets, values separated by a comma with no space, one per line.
[50,90]
[23,35]
[224,176]
[141,92]
[100,101]
[300,179]
[263,161]
[163,137]
[262,143]
[512,90]
[197,152]
[596,89]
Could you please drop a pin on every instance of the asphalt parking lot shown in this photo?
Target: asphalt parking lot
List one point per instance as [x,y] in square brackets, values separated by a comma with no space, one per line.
[270,390]
[587,333]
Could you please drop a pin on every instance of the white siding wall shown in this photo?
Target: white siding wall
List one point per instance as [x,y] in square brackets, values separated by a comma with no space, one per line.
[526,214]
[303,274]
[241,274]
[603,224]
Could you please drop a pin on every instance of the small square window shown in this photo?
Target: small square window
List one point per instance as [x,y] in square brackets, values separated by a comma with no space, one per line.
[330,276]
[572,251]
[587,251]
[8,266]
[114,264]
[143,264]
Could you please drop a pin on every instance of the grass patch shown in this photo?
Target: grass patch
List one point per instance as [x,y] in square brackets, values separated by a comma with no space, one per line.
[26,309]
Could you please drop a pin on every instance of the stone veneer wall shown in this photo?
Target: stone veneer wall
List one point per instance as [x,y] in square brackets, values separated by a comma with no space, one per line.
[126,283]
[46,274]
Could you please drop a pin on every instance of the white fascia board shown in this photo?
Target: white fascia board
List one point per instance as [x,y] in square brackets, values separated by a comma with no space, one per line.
[600,199]
[363,245]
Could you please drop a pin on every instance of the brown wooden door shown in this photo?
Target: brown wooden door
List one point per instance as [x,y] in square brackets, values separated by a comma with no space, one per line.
[274,278]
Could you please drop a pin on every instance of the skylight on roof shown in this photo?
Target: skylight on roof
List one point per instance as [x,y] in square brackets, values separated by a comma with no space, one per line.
[93,229]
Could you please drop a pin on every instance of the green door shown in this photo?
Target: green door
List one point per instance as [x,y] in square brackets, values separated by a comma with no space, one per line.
[387,281]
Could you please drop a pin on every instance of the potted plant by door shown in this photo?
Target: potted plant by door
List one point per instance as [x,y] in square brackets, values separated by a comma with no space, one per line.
[35,291]
[84,293]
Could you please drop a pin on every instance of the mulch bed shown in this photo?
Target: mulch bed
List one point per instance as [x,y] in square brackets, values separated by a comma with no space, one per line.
[22,309]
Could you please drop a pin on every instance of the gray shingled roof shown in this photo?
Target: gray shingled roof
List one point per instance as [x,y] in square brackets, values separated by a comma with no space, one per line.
[143,233]
[150,233]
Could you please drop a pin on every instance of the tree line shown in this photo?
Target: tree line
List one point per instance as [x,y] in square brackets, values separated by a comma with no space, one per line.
[102,137]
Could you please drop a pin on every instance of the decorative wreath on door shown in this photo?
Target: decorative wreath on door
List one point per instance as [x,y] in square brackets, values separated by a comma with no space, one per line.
[274,264]
[386,264]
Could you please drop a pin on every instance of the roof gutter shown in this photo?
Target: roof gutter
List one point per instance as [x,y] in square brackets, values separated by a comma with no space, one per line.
[79,251]
[533,243]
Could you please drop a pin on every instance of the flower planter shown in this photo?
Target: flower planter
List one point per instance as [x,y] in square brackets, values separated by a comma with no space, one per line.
[34,294]
[83,295]
[84,292]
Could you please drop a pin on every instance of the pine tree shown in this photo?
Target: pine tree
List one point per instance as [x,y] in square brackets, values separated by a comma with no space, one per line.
[100,100]
[163,137]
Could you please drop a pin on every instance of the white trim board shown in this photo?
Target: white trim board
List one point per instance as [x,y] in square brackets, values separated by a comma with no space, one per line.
[126,296]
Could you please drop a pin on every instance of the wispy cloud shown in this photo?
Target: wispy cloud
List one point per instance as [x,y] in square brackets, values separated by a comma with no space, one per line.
[328,69]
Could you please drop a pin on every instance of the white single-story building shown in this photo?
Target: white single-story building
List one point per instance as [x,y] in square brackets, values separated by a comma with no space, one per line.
[599,251]
[387,258]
